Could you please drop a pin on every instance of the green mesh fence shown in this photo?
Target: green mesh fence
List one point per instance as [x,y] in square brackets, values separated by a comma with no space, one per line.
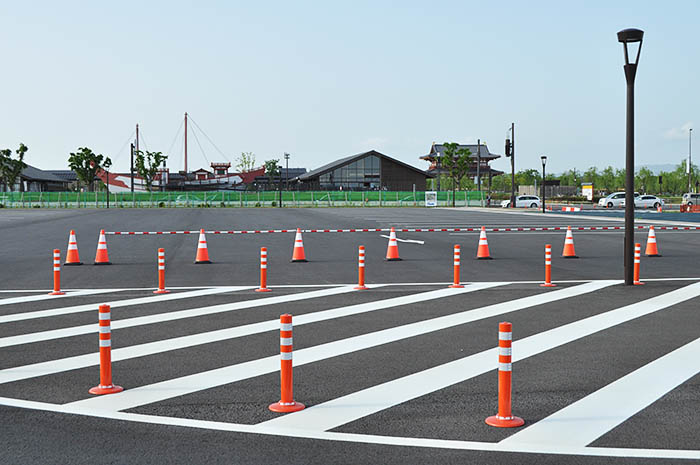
[234,199]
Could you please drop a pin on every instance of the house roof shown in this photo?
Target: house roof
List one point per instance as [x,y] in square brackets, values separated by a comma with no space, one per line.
[35,174]
[439,150]
[347,160]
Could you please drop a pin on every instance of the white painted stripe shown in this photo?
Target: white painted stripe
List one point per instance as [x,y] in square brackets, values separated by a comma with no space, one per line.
[141,350]
[118,303]
[168,316]
[342,410]
[584,421]
[36,298]
[196,382]
[285,356]
[105,343]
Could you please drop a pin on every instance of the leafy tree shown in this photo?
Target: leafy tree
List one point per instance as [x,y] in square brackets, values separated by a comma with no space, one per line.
[272,170]
[86,164]
[246,161]
[11,168]
[456,161]
[147,165]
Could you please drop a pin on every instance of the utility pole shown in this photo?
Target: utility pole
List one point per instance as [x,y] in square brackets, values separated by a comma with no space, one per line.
[478,171]
[690,164]
[512,166]
[185,146]
[286,175]
[132,169]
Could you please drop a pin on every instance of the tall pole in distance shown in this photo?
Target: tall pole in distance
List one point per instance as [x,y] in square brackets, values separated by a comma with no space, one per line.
[185,146]
[132,170]
[626,37]
[544,161]
[286,174]
[690,164]
[512,165]
[478,171]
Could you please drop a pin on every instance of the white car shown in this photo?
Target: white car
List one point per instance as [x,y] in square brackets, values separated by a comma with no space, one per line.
[691,199]
[646,201]
[615,199]
[524,201]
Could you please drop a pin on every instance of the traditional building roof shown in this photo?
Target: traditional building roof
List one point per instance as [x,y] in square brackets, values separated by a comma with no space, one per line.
[439,150]
[347,160]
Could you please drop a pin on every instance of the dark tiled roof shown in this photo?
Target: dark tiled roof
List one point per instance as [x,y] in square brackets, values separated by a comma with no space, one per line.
[35,174]
[347,160]
[64,175]
[439,149]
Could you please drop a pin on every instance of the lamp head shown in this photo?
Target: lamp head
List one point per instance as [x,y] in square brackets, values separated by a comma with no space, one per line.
[631,38]
[544,159]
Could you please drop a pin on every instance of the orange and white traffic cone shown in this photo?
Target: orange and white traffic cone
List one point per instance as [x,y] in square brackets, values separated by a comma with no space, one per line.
[392,251]
[161,273]
[652,250]
[505,418]
[286,403]
[361,269]
[548,266]
[569,251]
[72,257]
[456,260]
[202,251]
[56,273]
[263,271]
[298,254]
[106,386]
[102,257]
[637,261]
[482,253]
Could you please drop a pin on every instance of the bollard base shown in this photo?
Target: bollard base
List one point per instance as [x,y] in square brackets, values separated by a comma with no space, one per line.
[57,293]
[455,286]
[100,390]
[548,285]
[287,407]
[360,288]
[501,422]
[638,283]
[161,291]
[264,289]
[654,255]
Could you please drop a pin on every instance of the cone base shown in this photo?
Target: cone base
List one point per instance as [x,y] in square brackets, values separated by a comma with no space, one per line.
[638,283]
[266,289]
[513,422]
[397,259]
[161,291]
[199,262]
[455,286]
[548,285]
[100,390]
[298,260]
[653,255]
[57,293]
[569,256]
[73,264]
[102,263]
[279,407]
[360,288]
[484,258]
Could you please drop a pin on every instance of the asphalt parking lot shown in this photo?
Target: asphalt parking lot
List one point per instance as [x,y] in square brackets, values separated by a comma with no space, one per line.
[405,372]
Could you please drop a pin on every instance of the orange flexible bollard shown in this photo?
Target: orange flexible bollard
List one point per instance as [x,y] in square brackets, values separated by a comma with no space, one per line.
[456,261]
[286,403]
[504,418]
[56,273]
[548,266]
[637,261]
[106,386]
[361,269]
[161,273]
[263,271]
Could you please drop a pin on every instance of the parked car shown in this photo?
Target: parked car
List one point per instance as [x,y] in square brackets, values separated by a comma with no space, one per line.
[690,199]
[614,200]
[646,201]
[524,201]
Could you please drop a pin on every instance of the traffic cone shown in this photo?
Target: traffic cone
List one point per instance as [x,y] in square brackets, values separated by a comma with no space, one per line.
[652,250]
[202,251]
[482,253]
[569,251]
[392,251]
[298,254]
[101,257]
[72,257]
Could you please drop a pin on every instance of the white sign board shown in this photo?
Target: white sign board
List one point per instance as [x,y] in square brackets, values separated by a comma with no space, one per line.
[587,190]
[431,199]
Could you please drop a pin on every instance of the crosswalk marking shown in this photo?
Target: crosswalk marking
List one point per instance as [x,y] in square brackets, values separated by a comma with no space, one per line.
[584,421]
[168,316]
[37,298]
[342,410]
[81,361]
[205,380]
[118,303]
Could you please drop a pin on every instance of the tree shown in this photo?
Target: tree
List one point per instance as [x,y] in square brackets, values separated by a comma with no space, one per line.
[246,162]
[86,164]
[147,165]
[11,168]
[456,161]
[272,170]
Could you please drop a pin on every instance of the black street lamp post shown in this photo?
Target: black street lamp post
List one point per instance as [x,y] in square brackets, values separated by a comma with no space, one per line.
[544,162]
[630,38]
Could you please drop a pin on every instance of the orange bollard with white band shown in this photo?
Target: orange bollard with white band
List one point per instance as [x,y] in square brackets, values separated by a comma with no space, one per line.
[361,269]
[106,386]
[286,403]
[263,271]
[548,266]
[637,261]
[505,418]
[456,264]
[161,273]
[57,273]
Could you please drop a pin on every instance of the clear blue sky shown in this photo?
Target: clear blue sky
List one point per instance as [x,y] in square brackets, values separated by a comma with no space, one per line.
[322,80]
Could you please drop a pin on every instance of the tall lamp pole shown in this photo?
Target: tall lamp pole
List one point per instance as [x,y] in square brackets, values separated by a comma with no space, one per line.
[510,152]
[630,38]
[544,162]
[286,174]
[690,164]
